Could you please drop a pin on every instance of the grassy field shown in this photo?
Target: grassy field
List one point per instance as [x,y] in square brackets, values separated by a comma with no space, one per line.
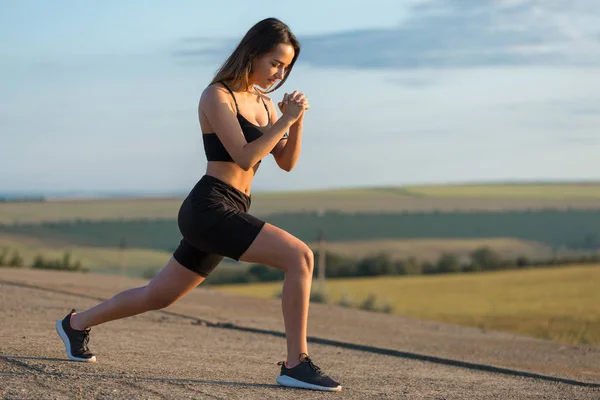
[389,199]
[576,229]
[423,249]
[549,303]
[96,259]
[103,260]
[108,260]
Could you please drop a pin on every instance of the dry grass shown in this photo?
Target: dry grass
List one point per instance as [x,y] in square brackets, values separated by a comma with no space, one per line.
[551,303]
[514,191]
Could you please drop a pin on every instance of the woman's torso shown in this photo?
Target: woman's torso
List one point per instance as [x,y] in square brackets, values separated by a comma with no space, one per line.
[254,118]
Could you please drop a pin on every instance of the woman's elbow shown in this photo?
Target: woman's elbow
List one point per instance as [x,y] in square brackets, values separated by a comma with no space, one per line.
[243,162]
[286,166]
[246,166]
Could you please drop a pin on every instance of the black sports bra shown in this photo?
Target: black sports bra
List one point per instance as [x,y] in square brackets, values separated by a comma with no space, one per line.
[214,149]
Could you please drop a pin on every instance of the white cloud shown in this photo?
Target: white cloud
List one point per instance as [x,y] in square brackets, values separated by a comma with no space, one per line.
[461,33]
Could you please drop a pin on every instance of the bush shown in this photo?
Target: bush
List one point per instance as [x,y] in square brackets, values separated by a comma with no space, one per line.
[347,269]
[448,263]
[387,308]
[369,303]
[375,265]
[319,296]
[3,255]
[16,261]
[429,268]
[408,267]
[62,265]
[345,301]
[262,273]
[486,259]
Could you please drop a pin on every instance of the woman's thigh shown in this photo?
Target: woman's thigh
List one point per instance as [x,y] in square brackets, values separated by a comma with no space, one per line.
[277,248]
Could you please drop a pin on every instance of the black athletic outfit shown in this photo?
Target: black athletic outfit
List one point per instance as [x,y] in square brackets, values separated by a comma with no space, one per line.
[215,223]
[214,219]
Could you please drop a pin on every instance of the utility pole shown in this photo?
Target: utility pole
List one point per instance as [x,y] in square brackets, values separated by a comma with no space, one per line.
[122,257]
[321,243]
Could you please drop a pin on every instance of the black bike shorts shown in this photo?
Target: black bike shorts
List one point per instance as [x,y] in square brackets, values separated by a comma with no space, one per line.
[215,223]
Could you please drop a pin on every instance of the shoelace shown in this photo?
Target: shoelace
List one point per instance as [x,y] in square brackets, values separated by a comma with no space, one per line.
[311,364]
[84,339]
[308,361]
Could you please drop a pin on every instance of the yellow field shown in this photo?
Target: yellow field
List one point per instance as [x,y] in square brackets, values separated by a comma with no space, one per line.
[550,303]
[412,198]
[515,191]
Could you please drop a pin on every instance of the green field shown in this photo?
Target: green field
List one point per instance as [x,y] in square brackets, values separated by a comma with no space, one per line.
[384,199]
[549,303]
[577,229]
[535,220]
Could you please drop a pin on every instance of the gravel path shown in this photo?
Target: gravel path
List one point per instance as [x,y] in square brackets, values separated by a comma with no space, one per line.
[212,345]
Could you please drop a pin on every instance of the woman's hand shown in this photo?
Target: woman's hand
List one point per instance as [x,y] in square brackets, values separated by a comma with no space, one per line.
[297,98]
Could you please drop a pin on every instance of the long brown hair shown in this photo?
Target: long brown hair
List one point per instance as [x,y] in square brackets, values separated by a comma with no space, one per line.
[262,38]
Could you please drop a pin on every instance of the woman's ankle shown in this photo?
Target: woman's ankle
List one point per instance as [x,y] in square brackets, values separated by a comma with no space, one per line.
[75,323]
[293,360]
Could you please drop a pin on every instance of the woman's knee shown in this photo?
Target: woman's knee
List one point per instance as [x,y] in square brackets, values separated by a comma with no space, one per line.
[278,248]
[303,260]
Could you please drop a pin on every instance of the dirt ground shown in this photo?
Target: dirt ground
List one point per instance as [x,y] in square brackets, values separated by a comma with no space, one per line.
[213,345]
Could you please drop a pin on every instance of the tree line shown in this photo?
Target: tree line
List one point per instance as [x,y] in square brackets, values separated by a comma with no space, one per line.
[339,266]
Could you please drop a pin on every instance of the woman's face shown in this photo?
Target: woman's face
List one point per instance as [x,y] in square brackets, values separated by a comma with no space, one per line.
[270,68]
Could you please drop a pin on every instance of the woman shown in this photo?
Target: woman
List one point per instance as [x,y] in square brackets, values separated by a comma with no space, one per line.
[240,127]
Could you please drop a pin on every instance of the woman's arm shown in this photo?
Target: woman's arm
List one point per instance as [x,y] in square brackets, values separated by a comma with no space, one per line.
[216,105]
[287,151]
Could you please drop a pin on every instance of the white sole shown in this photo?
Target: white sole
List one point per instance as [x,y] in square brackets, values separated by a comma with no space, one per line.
[63,335]
[285,380]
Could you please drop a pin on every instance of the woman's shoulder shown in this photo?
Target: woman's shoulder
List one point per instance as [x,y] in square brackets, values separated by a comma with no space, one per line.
[215,89]
[215,92]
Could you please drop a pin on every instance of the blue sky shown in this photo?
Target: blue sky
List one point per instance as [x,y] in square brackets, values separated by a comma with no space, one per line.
[102,96]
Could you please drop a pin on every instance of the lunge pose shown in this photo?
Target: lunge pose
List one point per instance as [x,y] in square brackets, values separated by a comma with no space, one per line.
[240,126]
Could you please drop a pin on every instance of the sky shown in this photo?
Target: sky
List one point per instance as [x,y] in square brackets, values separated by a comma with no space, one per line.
[101,96]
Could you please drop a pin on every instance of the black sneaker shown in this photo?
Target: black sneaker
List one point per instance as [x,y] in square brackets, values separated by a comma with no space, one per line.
[306,375]
[75,341]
